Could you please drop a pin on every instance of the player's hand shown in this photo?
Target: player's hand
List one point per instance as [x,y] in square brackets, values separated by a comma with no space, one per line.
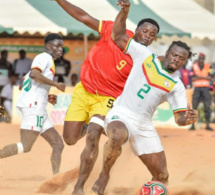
[161,58]
[52,99]
[123,3]
[192,115]
[61,86]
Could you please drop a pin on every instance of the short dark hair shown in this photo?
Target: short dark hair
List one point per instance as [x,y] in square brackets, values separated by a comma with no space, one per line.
[149,20]
[181,44]
[22,51]
[51,37]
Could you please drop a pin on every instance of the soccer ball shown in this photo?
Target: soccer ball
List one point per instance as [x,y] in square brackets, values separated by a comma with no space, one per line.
[154,188]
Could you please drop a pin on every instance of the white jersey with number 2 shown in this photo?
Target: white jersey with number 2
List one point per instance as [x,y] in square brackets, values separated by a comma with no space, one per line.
[149,85]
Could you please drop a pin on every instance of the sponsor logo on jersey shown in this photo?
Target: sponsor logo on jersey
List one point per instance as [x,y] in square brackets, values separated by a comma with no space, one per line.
[115,117]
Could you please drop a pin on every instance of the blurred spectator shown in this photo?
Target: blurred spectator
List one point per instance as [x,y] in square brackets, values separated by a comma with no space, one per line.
[7,93]
[189,65]
[22,65]
[62,68]
[5,69]
[201,82]
[74,79]
[185,76]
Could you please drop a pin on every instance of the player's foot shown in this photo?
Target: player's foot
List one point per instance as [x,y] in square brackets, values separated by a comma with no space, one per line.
[208,128]
[78,192]
[91,193]
[100,184]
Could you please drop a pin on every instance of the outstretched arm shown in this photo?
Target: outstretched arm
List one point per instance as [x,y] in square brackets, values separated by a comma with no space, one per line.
[38,77]
[79,14]
[194,78]
[186,118]
[119,35]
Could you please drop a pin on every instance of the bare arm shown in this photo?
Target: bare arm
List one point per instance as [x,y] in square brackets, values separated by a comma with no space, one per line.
[186,118]
[38,77]
[119,28]
[194,78]
[79,14]
[20,86]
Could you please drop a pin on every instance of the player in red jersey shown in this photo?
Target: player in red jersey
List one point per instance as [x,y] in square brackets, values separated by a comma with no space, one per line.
[106,59]
[103,77]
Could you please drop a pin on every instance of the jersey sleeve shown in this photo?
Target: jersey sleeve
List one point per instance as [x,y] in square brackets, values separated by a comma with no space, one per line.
[136,50]
[178,98]
[40,62]
[105,27]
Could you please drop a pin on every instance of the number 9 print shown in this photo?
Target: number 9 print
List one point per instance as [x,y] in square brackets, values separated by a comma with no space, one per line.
[121,65]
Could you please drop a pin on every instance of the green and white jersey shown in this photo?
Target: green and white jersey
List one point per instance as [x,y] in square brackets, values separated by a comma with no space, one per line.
[34,94]
[149,85]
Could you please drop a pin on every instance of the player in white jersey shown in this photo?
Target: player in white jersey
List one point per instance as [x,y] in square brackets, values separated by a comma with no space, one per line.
[33,100]
[150,83]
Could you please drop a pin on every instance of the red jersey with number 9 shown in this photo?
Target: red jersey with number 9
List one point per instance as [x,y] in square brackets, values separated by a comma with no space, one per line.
[106,67]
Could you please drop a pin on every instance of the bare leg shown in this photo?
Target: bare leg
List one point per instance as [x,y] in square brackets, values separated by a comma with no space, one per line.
[88,156]
[27,139]
[156,164]
[118,135]
[56,142]
[73,131]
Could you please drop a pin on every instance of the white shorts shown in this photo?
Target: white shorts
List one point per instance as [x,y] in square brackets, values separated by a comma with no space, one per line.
[35,122]
[143,139]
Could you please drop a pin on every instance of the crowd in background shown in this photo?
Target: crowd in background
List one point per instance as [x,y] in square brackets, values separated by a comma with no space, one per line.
[12,73]
[200,76]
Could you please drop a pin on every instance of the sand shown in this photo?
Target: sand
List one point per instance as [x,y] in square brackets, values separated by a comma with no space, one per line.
[190,157]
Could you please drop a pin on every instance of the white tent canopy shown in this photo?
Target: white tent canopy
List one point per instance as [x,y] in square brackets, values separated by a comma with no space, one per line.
[43,16]
[176,17]
[186,15]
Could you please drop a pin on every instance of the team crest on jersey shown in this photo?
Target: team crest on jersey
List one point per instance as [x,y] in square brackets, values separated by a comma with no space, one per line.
[115,117]
[167,83]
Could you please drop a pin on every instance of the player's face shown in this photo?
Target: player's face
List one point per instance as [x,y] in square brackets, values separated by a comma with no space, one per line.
[175,58]
[56,48]
[145,33]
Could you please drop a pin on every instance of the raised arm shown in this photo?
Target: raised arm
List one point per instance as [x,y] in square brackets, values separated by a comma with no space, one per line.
[79,14]
[119,35]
